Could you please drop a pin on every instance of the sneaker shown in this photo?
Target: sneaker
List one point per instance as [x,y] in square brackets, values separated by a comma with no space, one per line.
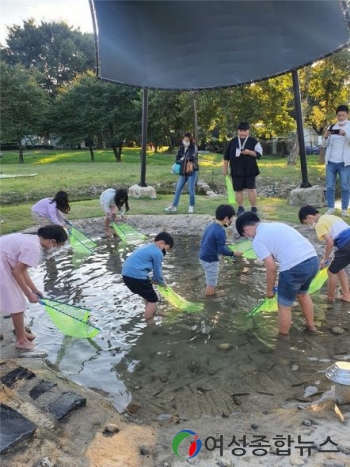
[330,211]
[190,209]
[170,209]
[254,209]
[345,213]
[240,210]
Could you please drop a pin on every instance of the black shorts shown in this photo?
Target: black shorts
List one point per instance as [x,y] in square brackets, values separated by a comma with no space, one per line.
[142,287]
[239,183]
[341,259]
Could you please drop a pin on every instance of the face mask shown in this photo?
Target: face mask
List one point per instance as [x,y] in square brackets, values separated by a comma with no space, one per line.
[164,251]
[186,143]
[52,250]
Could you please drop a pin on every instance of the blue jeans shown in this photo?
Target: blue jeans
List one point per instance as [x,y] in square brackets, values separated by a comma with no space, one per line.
[332,169]
[191,180]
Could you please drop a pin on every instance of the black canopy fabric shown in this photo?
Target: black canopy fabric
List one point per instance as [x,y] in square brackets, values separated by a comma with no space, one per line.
[207,44]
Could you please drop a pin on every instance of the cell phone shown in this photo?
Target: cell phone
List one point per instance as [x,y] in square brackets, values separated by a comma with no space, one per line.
[334,132]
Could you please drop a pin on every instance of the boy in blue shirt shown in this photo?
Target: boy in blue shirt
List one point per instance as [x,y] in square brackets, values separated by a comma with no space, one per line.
[140,263]
[213,244]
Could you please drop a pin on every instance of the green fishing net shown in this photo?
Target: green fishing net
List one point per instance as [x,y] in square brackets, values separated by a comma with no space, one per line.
[69,319]
[230,192]
[80,242]
[178,302]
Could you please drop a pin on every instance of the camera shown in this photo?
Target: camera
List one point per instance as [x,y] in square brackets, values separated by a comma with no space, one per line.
[334,132]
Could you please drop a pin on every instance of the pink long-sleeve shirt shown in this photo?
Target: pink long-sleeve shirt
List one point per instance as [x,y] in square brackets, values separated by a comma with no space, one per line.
[46,208]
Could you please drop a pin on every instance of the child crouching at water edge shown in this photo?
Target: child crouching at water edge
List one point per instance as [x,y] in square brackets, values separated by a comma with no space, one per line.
[112,200]
[18,252]
[336,233]
[213,244]
[50,210]
[140,264]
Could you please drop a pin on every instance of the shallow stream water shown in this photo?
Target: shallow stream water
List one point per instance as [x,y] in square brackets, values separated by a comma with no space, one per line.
[217,361]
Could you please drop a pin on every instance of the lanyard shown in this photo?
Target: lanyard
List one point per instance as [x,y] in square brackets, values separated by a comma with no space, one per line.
[241,146]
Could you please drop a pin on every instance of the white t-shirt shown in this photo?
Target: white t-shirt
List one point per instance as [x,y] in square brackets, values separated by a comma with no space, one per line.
[107,201]
[287,246]
[337,143]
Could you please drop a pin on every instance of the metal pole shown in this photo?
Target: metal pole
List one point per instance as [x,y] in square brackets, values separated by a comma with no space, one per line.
[144,136]
[195,118]
[300,131]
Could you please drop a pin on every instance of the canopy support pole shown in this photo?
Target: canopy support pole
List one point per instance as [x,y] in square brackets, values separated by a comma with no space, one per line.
[144,136]
[300,130]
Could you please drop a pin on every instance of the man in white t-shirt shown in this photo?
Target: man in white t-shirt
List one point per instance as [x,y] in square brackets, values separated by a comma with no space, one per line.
[336,140]
[276,242]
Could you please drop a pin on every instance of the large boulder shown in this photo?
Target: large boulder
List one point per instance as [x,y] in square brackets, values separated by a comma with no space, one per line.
[302,196]
[136,191]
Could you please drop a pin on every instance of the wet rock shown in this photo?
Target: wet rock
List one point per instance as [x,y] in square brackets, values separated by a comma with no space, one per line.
[132,408]
[307,422]
[163,379]
[163,417]
[254,426]
[65,404]
[45,462]
[194,366]
[344,447]
[225,346]
[296,461]
[166,464]
[144,451]
[14,428]
[168,399]
[41,388]
[337,330]
[310,391]
[111,429]
[222,463]
[34,354]
[333,463]
[17,374]
[294,367]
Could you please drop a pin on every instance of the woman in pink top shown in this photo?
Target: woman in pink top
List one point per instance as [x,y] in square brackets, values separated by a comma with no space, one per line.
[49,210]
[17,253]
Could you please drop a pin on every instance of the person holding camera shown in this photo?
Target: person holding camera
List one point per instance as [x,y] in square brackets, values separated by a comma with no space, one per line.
[336,140]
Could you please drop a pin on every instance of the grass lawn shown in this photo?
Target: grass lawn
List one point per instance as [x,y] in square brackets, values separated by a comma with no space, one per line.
[84,181]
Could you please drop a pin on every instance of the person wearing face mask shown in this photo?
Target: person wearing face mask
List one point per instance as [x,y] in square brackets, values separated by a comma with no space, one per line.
[143,261]
[336,140]
[275,242]
[18,252]
[213,244]
[187,151]
[336,233]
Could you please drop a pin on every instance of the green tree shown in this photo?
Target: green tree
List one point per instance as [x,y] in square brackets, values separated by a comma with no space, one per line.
[57,50]
[90,109]
[24,104]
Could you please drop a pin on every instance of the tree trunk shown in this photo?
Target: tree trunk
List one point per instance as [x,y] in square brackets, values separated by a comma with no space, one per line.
[117,153]
[292,158]
[20,153]
[100,142]
[321,158]
[92,155]
[120,149]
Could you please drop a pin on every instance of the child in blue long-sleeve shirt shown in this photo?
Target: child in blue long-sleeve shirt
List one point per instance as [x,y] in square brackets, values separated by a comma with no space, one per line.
[213,244]
[140,264]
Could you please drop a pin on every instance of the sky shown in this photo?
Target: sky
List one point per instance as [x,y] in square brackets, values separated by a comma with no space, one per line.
[74,12]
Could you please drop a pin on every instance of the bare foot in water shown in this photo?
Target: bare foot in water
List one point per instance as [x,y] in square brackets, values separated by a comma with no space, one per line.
[311,328]
[30,336]
[344,298]
[25,345]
